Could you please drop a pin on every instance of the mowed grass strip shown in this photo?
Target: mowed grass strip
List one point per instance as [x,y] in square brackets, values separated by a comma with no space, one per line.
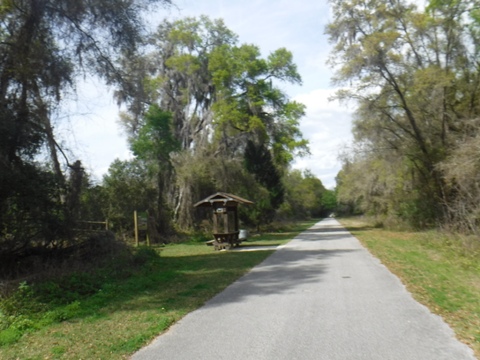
[125,315]
[441,271]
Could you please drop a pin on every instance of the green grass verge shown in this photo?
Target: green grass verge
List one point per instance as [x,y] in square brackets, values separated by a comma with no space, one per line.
[441,271]
[110,313]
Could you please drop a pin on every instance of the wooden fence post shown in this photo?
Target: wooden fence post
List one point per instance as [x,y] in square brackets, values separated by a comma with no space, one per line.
[148,228]
[135,221]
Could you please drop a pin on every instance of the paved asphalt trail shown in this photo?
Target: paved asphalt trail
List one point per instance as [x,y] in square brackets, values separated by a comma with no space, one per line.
[321,296]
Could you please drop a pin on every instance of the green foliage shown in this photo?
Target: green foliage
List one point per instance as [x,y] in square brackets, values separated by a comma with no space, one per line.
[127,188]
[305,196]
[35,306]
[45,45]
[248,102]
[261,212]
[329,201]
[199,237]
[155,138]
[220,95]
[259,162]
[94,202]
[153,146]
[145,256]
[134,302]
[31,215]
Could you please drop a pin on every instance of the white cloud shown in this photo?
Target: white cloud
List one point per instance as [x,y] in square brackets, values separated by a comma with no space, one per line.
[327,126]
[319,101]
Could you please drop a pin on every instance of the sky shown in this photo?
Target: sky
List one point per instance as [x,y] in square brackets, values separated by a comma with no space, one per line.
[94,135]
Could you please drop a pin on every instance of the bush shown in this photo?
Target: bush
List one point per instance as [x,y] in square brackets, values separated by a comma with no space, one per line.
[199,237]
[34,305]
[145,255]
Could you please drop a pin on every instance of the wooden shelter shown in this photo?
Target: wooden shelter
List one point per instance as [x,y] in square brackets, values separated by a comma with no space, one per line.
[225,218]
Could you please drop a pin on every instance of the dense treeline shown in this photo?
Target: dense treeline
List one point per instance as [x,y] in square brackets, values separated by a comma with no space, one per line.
[45,47]
[414,74]
[228,126]
[203,114]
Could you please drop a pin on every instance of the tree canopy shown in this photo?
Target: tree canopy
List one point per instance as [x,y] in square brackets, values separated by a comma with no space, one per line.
[45,45]
[224,103]
[203,113]
[414,75]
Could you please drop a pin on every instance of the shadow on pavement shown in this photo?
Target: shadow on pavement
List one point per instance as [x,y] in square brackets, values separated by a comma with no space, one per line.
[289,268]
[286,271]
